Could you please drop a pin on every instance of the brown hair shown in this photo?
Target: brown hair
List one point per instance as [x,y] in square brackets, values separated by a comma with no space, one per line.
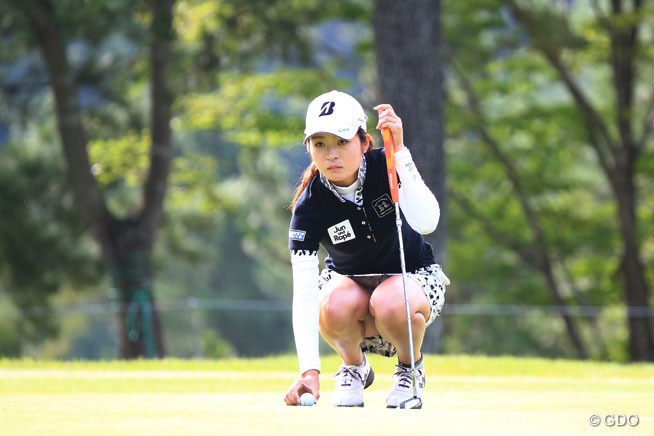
[312,170]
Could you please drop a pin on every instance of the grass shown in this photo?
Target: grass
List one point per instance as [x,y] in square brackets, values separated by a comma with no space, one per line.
[464,395]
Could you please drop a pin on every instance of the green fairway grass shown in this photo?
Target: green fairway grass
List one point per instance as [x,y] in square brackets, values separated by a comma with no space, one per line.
[464,395]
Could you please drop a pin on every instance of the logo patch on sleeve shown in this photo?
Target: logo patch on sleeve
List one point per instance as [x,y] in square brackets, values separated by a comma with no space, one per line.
[341,232]
[383,205]
[297,235]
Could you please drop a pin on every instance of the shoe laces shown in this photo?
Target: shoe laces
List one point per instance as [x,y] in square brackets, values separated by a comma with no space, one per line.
[347,374]
[403,375]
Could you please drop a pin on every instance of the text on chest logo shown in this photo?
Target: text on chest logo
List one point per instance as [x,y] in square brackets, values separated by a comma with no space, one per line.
[341,232]
[383,205]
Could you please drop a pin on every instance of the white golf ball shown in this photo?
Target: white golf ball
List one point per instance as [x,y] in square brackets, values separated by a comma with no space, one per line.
[306,399]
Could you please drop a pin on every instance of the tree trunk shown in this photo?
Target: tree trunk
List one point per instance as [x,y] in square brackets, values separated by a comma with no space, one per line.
[635,289]
[624,47]
[138,320]
[41,17]
[127,245]
[410,77]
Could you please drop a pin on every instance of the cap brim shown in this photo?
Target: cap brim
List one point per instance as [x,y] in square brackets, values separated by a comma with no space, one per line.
[347,133]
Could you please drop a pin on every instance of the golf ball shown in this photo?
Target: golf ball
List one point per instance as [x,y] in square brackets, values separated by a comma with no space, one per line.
[306,399]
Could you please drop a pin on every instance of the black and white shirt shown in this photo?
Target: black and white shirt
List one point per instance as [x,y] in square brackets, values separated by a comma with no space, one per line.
[358,230]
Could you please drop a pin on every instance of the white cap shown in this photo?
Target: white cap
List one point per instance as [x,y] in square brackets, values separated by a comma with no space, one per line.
[337,113]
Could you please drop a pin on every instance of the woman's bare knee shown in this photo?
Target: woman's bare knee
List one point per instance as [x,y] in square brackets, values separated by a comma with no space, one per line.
[343,306]
[387,309]
[388,306]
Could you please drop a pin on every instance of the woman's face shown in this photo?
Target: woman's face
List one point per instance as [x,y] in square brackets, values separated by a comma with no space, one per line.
[338,159]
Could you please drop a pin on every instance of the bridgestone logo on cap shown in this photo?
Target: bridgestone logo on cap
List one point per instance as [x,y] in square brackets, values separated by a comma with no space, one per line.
[327,108]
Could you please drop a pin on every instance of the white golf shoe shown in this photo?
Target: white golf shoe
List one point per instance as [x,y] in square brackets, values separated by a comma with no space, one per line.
[402,394]
[351,380]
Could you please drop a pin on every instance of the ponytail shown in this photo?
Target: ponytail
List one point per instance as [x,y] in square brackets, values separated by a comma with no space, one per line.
[309,173]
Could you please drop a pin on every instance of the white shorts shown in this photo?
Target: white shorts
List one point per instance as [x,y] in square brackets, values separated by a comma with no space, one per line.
[432,281]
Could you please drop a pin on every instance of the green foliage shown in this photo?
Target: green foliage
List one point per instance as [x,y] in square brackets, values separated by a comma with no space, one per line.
[10,341]
[83,333]
[121,158]
[43,245]
[255,109]
[215,347]
[120,166]
[230,35]
[522,106]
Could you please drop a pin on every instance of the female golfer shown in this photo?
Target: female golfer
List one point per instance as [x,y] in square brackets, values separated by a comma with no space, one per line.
[357,302]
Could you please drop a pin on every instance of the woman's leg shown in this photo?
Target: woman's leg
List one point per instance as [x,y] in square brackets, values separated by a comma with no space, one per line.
[344,317]
[387,307]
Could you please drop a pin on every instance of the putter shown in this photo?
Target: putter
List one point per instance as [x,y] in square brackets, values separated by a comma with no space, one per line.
[389,150]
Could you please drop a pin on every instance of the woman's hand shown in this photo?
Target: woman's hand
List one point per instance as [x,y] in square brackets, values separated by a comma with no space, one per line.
[309,382]
[388,119]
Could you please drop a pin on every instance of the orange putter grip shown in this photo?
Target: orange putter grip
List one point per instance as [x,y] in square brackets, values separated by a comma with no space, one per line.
[389,149]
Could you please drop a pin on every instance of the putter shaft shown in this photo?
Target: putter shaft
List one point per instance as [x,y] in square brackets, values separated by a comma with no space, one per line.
[398,223]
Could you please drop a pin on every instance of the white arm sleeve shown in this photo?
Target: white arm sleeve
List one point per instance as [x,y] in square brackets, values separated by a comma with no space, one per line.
[418,203]
[306,310]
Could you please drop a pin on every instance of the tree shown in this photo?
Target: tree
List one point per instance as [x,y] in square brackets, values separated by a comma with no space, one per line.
[617,139]
[548,84]
[410,76]
[616,146]
[43,247]
[126,242]
[118,184]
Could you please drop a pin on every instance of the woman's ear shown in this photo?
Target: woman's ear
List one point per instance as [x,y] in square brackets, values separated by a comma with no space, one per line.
[366,146]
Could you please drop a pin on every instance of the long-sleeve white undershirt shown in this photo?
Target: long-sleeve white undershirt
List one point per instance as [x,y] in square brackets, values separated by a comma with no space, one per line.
[417,202]
[306,310]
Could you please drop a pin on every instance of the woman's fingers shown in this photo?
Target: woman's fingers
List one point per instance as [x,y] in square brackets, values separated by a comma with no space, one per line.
[388,119]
